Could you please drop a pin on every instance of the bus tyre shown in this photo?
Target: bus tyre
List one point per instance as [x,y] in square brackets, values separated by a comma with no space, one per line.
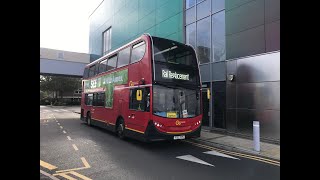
[120,129]
[89,119]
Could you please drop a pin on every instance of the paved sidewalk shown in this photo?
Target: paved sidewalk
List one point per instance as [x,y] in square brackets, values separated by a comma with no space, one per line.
[267,150]
[75,109]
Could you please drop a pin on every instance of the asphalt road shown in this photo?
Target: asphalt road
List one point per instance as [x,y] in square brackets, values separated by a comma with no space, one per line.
[69,149]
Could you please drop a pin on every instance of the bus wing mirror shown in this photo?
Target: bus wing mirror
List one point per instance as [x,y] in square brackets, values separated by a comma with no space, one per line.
[139,95]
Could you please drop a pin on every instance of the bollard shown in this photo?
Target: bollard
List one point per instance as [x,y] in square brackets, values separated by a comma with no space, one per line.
[256,136]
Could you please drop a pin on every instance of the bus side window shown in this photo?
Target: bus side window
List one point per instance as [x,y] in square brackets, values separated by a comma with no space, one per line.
[103,66]
[134,103]
[100,99]
[88,99]
[92,71]
[112,62]
[138,51]
[94,101]
[86,73]
[147,98]
[97,69]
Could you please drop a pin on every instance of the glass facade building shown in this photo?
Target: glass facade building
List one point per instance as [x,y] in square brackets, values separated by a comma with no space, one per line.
[237,44]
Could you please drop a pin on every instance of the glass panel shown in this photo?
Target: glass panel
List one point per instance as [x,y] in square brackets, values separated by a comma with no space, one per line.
[104,42]
[218,36]
[190,15]
[217,5]
[203,40]
[175,102]
[191,34]
[112,63]
[134,103]
[97,69]
[203,9]
[92,71]
[138,51]
[103,66]
[174,53]
[190,3]
[109,40]
[99,99]
[94,102]
[88,99]
[219,104]
[86,73]
[124,57]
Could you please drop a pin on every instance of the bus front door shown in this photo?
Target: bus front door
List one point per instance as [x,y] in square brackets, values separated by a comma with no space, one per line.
[138,113]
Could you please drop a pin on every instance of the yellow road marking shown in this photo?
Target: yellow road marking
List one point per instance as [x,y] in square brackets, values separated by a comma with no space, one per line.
[269,161]
[47,165]
[80,175]
[49,175]
[73,169]
[85,163]
[65,176]
[75,147]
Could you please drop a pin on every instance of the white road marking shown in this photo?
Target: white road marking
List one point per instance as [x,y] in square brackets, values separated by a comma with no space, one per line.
[75,147]
[69,138]
[59,124]
[216,153]
[193,159]
[61,127]
[56,110]
[63,110]
[64,131]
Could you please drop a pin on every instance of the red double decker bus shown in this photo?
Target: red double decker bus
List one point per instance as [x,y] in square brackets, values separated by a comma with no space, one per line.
[148,89]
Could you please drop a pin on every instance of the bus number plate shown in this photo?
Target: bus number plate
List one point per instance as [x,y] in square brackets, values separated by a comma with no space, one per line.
[179,137]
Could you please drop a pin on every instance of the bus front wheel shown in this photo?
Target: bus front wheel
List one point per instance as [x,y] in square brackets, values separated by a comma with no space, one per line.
[120,128]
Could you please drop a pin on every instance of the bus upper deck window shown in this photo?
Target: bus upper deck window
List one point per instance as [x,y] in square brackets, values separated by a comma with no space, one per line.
[138,51]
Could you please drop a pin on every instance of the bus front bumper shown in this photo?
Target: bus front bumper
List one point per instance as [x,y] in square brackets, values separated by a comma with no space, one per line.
[152,134]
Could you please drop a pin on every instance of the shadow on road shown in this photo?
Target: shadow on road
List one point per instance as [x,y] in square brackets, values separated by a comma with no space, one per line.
[152,146]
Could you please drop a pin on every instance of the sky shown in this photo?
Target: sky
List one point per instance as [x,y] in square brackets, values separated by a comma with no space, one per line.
[64,24]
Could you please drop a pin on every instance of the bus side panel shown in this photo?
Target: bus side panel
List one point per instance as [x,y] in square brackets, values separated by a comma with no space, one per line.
[123,103]
[114,111]
[98,113]
[138,120]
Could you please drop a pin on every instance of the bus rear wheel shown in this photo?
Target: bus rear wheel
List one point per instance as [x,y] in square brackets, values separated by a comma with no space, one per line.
[120,129]
[89,119]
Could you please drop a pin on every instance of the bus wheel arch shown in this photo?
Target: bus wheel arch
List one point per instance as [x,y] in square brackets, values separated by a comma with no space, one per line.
[88,119]
[120,127]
